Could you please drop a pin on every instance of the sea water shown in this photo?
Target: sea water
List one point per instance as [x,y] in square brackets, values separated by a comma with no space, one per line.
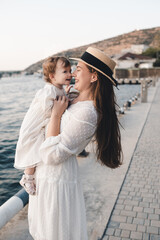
[16,94]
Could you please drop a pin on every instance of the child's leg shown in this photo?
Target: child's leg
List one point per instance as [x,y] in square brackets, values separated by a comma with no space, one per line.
[30,171]
[28,181]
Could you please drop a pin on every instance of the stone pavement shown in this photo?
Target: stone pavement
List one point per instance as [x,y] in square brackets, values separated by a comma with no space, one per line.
[136,214]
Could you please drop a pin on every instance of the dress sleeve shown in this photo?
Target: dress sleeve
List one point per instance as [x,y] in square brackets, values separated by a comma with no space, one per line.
[72,140]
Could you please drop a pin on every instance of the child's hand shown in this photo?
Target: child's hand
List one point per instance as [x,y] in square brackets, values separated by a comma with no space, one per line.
[60,105]
[67,88]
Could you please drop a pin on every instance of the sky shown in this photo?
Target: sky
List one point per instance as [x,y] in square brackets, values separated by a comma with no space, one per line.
[31,30]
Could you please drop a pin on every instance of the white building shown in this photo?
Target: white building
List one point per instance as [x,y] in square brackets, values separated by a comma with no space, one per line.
[131,60]
[135,48]
[139,48]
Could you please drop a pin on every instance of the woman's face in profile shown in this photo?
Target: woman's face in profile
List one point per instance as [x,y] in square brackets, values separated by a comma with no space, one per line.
[82,76]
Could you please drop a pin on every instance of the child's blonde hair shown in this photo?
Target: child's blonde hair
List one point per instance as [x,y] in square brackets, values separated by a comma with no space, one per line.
[49,66]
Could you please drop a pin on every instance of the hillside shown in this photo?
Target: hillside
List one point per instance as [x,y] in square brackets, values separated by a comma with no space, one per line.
[111,46]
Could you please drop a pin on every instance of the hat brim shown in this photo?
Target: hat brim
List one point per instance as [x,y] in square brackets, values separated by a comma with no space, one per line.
[80,60]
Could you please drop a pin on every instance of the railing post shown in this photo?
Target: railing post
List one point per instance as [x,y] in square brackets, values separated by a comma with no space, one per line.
[144,90]
[153,81]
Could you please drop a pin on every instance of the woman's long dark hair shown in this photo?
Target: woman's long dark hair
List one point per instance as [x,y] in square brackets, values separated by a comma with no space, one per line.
[108,137]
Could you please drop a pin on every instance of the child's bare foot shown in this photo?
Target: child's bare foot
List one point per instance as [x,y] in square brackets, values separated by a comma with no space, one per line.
[28,182]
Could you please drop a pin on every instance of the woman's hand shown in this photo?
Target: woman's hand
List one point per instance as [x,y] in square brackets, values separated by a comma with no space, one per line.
[68,88]
[60,105]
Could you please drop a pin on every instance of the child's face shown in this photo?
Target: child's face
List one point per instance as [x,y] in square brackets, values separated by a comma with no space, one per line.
[62,75]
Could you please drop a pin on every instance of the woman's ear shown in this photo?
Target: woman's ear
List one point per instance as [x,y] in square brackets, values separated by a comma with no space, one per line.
[94,77]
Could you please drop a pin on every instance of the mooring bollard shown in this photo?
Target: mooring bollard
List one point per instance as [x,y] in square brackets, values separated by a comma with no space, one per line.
[12,206]
[144,90]
[83,153]
[136,97]
[125,106]
[129,103]
[121,110]
[133,100]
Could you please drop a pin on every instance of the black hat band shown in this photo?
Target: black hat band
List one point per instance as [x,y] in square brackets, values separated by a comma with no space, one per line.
[95,62]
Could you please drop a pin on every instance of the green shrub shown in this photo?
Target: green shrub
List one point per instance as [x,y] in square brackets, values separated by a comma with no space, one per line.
[152,52]
[156,63]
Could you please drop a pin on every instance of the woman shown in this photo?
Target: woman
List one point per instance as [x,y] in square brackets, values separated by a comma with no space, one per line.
[57,212]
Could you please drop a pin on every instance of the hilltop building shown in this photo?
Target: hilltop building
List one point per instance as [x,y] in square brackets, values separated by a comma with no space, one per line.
[136,48]
[132,57]
[132,60]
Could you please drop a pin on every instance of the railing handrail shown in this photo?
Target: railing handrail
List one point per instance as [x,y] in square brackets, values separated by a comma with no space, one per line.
[12,206]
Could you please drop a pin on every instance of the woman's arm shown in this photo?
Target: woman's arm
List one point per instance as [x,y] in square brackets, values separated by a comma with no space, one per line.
[59,107]
[72,140]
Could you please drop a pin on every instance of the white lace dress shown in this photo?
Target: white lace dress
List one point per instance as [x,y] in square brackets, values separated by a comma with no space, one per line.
[57,212]
[32,133]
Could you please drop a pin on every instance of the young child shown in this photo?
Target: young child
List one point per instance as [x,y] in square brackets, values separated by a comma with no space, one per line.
[57,72]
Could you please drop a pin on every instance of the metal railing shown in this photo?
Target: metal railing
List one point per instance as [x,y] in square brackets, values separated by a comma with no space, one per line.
[12,206]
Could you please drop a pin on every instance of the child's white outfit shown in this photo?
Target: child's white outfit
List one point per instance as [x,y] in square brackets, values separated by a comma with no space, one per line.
[32,133]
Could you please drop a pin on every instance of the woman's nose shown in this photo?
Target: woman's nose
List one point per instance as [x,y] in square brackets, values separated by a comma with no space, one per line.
[74,74]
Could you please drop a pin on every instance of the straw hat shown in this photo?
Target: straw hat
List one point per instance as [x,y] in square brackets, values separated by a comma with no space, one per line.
[98,60]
